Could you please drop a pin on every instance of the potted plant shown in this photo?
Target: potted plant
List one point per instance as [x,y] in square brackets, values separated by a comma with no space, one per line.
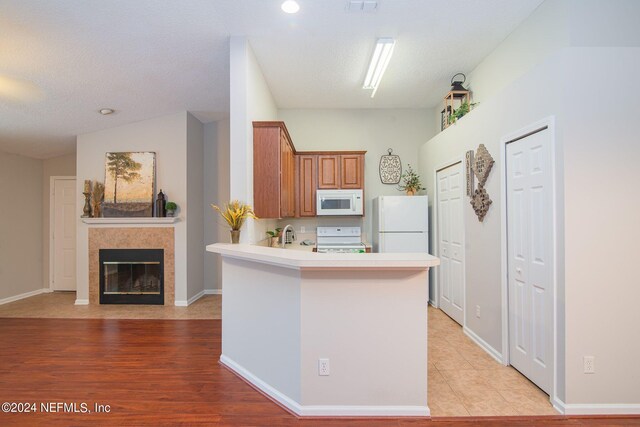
[411,182]
[273,237]
[464,108]
[171,208]
[235,213]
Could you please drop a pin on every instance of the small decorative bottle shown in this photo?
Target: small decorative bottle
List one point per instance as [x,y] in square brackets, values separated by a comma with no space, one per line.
[161,212]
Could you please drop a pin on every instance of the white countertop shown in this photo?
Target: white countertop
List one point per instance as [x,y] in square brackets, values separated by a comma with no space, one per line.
[297,259]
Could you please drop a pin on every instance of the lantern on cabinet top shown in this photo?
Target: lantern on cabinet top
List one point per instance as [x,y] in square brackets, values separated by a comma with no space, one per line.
[456,96]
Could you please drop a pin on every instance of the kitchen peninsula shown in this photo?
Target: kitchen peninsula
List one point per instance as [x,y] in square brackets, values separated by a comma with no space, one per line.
[328,334]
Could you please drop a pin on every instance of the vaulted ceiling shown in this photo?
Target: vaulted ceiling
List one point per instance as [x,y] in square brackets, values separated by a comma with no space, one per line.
[61,61]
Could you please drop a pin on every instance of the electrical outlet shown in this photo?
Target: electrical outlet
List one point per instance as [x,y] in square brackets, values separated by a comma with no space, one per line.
[589,364]
[323,367]
[478,311]
[303,229]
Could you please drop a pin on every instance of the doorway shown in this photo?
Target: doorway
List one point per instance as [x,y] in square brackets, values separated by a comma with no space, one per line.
[450,224]
[530,253]
[62,259]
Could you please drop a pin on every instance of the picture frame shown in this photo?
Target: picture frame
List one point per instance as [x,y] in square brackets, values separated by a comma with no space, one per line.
[129,184]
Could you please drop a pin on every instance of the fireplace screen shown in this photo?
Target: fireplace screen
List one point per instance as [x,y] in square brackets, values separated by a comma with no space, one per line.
[131,276]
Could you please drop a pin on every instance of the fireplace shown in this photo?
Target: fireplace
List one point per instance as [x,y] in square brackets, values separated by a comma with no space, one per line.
[131,276]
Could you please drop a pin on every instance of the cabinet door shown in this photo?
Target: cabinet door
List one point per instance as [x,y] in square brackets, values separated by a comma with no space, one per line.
[292,182]
[308,181]
[352,170]
[267,158]
[286,168]
[329,171]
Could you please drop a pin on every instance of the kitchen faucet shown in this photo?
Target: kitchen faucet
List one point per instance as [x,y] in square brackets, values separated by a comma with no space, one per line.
[284,234]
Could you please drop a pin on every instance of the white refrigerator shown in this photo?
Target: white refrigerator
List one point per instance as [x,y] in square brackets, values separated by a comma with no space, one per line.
[401,224]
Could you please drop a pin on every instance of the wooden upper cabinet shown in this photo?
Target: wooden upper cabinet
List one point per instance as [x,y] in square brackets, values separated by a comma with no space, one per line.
[307,184]
[273,171]
[351,171]
[328,171]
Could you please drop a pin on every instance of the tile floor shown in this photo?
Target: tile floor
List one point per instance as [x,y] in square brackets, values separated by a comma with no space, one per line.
[463,379]
[61,305]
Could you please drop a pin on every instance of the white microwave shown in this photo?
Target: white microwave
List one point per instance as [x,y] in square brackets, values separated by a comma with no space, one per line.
[339,202]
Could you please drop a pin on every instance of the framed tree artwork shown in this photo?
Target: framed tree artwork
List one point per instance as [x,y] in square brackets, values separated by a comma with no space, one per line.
[129,184]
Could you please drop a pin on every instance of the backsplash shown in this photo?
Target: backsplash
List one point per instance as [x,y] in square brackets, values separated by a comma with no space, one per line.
[305,228]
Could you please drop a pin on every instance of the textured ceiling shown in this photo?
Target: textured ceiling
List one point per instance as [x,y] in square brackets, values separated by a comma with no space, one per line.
[61,61]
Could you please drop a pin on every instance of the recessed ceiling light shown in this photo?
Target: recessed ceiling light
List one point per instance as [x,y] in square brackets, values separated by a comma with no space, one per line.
[106,111]
[290,6]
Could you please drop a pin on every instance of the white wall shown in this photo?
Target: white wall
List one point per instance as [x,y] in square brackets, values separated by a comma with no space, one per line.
[596,154]
[167,137]
[373,130]
[542,33]
[216,191]
[20,225]
[250,100]
[602,229]
[489,122]
[56,166]
[194,212]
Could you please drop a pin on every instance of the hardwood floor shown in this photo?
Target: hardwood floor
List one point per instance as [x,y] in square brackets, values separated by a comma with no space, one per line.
[155,372]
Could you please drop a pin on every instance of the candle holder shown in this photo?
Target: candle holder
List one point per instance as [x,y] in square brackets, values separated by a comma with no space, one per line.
[87,206]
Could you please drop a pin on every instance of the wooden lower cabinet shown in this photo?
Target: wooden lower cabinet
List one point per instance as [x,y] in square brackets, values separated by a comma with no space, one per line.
[307,184]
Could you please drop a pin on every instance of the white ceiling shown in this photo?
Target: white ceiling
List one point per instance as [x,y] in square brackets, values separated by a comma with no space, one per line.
[61,61]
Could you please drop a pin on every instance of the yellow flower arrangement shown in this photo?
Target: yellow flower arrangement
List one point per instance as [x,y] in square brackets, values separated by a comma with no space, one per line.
[235,212]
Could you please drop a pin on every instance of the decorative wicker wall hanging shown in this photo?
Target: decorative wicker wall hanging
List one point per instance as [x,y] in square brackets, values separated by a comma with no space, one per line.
[481,202]
[390,168]
[482,164]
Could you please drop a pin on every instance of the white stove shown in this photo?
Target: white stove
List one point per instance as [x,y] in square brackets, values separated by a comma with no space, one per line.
[346,240]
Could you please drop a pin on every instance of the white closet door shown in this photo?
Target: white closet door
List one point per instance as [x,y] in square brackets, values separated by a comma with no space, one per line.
[450,234]
[64,235]
[530,257]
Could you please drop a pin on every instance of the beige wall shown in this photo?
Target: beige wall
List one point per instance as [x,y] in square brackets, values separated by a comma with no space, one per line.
[195,217]
[20,225]
[216,191]
[372,130]
[56,166]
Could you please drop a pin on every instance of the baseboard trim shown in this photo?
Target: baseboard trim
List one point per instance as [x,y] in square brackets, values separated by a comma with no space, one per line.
[82,302]
[322,410]
[196,297]
[213,291]
[483,345]
[22,296]
[596,408]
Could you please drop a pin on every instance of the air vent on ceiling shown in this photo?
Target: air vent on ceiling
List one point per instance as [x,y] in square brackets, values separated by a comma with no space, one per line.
[362,5]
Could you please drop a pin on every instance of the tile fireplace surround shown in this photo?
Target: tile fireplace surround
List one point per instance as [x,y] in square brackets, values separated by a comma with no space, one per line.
[132,238]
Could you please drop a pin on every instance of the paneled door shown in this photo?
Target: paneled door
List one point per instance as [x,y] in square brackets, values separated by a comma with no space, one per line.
[450,234]
[530,256]
[63,260]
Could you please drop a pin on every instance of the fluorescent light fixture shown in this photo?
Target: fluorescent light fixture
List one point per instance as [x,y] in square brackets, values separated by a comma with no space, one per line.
[290,6]
[379,61]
